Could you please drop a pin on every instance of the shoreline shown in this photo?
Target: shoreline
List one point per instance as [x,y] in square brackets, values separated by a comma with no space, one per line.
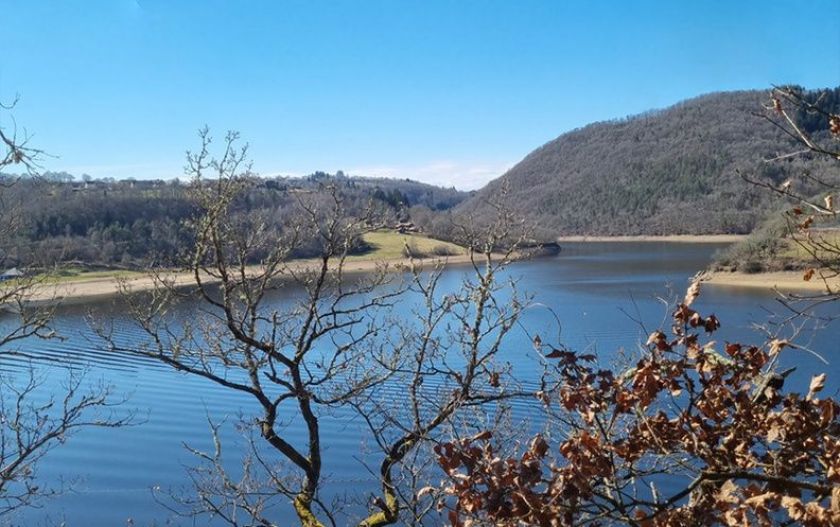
[91,290]
[84,291]
[671,238]
[774,280]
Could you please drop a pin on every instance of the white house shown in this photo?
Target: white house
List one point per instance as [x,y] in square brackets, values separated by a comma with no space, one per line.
[11,274]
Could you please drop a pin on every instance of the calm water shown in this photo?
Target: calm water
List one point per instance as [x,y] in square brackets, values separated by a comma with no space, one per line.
[601,292]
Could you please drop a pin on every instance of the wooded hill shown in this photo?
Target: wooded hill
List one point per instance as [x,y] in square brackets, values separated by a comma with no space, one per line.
[671,171]
[63,218]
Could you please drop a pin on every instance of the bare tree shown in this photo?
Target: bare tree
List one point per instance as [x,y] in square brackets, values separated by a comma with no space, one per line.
[336,348]
[32,422]
[450,370]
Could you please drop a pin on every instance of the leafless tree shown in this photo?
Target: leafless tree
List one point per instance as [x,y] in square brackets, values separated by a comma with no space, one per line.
[338,347]
[449,349]
[32,422]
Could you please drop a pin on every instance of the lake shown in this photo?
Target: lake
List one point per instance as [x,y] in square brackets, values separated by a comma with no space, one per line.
[608,296]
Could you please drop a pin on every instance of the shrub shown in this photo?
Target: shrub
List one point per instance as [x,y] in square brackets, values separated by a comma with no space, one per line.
[752,267]
[444,250]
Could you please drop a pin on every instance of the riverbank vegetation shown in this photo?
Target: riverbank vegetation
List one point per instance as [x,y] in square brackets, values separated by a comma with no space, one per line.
[772,248]
[804,235]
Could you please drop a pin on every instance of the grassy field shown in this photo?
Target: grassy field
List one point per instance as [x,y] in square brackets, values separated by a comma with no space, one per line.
[825,242]
[80,275]
[390,245]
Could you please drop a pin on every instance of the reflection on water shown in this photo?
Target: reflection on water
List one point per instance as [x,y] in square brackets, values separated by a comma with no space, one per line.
[607,295]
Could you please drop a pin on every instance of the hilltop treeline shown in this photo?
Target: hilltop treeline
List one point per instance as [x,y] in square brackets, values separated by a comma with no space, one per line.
[104,222]
[671,171]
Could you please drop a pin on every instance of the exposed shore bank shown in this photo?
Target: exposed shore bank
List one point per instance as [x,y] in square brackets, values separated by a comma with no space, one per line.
[88,290]
[790,281]
[781,280]
[671,238]
[82,291]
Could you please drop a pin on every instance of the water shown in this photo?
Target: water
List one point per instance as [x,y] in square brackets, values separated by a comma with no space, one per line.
[607,296]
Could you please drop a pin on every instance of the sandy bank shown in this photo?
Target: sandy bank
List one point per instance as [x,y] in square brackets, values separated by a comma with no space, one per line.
[677,238]
[781,280]
[92,290]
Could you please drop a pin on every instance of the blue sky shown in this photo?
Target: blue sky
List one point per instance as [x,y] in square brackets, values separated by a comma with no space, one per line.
[449,92]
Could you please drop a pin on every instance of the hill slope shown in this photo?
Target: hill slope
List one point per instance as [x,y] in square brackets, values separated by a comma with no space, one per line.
[671,171]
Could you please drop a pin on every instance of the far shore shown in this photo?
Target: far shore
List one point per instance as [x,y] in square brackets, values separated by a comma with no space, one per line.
[87,289]
[82,291]
[777,280]
[672,238]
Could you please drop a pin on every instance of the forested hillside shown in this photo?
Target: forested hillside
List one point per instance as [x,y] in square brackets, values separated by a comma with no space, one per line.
[61,218]
[671,171]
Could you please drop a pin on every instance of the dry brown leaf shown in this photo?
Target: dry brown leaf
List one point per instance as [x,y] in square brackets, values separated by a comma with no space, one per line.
[760,499]
[794,506]
[692,293]
[817,384]
[774,433]
[727,492]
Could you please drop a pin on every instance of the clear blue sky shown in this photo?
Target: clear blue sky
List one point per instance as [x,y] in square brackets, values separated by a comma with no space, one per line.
[450,92]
